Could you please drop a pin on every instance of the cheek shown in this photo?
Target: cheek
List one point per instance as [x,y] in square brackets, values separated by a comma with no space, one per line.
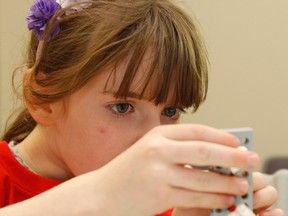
[108,141]
[102,144]
[112,141]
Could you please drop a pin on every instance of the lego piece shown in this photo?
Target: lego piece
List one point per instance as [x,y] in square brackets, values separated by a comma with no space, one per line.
[241,210]
[243,204]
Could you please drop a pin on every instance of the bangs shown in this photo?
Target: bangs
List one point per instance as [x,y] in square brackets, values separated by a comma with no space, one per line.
[177,59]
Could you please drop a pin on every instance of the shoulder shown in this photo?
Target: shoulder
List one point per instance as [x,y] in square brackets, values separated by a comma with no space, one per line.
[4,178]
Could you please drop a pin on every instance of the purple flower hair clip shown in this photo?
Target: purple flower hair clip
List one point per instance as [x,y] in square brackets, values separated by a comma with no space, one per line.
[40,14]
[43,10]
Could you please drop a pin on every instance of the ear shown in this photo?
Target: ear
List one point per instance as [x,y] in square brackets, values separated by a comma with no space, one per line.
[44,114]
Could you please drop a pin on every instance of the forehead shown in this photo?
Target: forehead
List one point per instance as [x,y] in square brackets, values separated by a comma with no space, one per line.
[143,79]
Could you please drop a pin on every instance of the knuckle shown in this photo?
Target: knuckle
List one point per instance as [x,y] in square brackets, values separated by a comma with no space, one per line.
[153,149]
[156,130]
[204,152]
[199,130]
[156,147]
[203,179]
[158,171]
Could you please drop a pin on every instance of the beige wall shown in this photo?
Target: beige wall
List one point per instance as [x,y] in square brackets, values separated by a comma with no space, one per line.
[247,44]
[13,34]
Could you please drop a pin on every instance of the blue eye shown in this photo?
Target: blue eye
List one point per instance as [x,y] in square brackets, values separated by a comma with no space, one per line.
[170,111]
[121,108]
[173,112]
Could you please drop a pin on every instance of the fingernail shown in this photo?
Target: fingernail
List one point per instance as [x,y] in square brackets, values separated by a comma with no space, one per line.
[237,141]
[243,187]
[230,200]
[267,213]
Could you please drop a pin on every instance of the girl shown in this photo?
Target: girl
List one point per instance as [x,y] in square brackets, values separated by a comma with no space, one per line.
[105,85]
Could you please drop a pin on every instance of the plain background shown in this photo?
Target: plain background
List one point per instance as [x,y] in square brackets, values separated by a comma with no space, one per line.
[247,45]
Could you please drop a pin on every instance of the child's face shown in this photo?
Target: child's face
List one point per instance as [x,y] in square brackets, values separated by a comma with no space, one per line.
[97,126]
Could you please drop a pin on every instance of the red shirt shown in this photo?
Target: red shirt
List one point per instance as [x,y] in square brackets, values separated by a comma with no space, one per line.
[18,184]
[167,213]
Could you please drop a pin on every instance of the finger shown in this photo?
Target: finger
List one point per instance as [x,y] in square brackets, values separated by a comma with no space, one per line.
[189,212]
[259,181]
[202,181]
[272,212]
[197,132]
[201,153]
[190,199]
[265,197]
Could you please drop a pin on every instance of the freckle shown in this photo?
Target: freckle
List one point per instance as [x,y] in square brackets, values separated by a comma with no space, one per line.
[102,130]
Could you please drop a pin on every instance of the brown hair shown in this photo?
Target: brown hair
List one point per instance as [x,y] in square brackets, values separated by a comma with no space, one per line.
[105,34]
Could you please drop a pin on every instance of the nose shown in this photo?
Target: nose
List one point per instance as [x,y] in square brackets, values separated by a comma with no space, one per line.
[150,121]
[147,124]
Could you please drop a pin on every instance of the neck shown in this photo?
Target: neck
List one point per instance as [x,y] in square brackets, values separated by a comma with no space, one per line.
[41,154]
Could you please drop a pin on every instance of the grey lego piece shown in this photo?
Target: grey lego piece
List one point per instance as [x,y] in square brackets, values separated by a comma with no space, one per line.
[246,137]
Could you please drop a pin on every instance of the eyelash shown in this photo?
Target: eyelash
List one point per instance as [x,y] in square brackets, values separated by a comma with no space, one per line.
[130,109]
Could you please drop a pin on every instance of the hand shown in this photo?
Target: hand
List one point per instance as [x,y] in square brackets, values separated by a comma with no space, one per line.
[264,197]
[150,176]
